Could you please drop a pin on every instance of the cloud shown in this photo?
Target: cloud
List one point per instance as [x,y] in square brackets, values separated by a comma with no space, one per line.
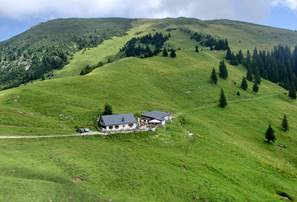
[249,10]
[292,4]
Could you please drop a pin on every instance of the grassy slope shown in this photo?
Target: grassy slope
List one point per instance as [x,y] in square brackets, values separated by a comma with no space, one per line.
[62,31]
[94,55]
[229,163]
[241,35]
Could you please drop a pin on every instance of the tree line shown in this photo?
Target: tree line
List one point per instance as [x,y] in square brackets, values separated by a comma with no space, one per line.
[208,40]
[145,46]
[14,71]
[278,66]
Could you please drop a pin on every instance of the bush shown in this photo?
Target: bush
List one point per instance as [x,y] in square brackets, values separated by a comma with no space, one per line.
[182,120]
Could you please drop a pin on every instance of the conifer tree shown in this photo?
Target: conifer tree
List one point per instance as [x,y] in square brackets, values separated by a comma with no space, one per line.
[292,92]
[240,57]
[247,61]
[228,54]
[165,53]
[149,52]
[257,76]
[223,101]
[107,110]
[269,135]
[226,44]
[256,88]
[244,84]
[233,59]
[249,75]
[285,124]
[197,49]
[213,76]
[223,70]
[172,53]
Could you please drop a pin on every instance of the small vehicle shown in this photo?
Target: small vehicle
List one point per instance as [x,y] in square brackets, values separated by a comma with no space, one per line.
[83,130]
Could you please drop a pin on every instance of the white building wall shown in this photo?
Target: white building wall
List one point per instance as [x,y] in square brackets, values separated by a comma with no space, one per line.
[123,127]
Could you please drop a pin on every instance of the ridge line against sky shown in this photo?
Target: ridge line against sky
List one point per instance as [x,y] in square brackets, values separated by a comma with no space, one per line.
[16,19]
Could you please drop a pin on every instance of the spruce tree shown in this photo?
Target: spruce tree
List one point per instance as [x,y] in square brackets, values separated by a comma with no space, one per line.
[172,53]
[285,124]
[228,54]
[233,60]
[213,76]
[257,76]
[244,84]
[249,75]
[197,49]
[223,101]
[292,92]
[226,44]
[240,57]
[165,53]
[107,110]
[269,135]
[256,88]
[247,61]
[223,70]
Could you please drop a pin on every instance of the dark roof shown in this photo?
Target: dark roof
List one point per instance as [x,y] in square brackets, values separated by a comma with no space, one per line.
[156,115]
[117,119]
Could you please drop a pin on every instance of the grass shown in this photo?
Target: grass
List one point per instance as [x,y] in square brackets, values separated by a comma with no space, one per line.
[226,159]
[241,35]
[92,56]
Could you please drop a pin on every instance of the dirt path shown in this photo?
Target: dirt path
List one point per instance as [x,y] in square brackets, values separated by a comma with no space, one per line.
[51,136]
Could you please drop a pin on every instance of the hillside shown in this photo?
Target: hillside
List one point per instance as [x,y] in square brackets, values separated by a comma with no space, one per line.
[36,53]
[226,159]
[48,46]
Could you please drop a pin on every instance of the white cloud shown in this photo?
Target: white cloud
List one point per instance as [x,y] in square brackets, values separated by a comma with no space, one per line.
[292,4]
[250,10]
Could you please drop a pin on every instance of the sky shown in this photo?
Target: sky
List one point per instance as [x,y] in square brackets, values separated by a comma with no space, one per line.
[17,16]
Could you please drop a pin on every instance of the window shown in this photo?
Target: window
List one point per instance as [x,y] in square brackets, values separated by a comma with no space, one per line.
[117,127]
[110,127]
[131,125]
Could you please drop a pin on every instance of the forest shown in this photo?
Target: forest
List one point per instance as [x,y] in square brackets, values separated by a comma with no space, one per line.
[145,46]
[278,66]
[208,40]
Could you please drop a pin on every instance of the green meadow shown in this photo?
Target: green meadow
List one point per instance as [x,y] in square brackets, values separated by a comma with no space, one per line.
[225,159]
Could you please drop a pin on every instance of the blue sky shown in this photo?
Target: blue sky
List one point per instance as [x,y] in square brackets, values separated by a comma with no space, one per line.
[15,19]
[281,16]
